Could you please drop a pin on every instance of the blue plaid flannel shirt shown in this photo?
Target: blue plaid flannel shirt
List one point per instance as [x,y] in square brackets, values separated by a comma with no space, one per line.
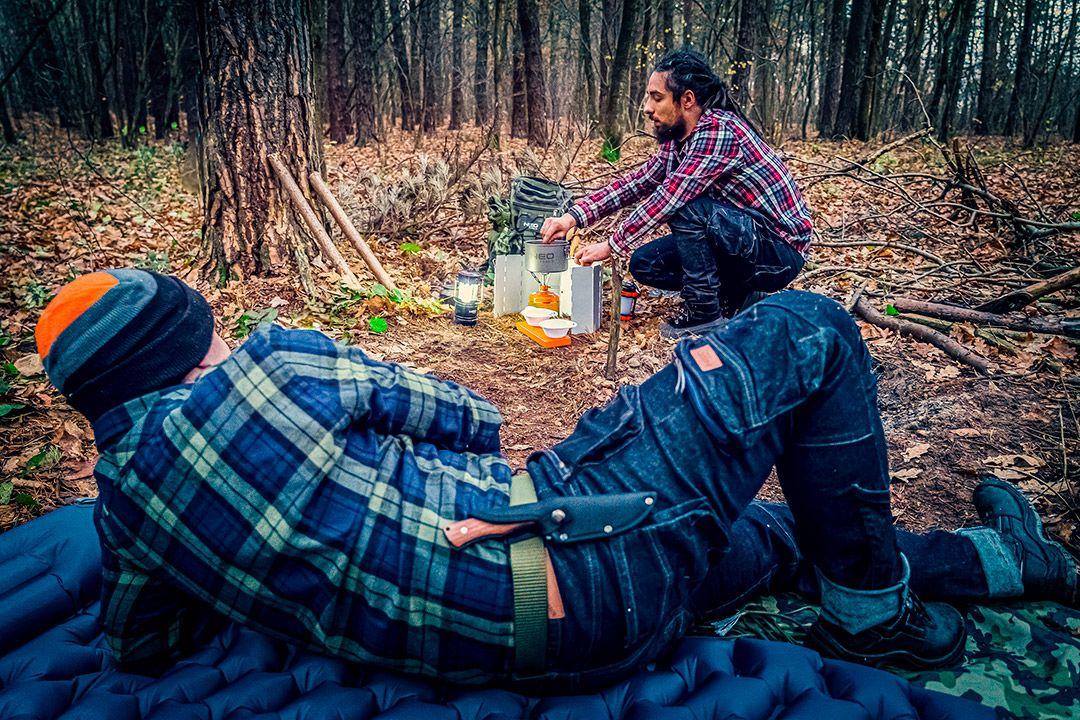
[300,488]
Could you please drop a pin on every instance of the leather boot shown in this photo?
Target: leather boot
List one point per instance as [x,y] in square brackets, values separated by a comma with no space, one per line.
[1047,570]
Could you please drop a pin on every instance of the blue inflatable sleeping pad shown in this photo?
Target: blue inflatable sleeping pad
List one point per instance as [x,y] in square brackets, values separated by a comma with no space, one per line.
[54,663]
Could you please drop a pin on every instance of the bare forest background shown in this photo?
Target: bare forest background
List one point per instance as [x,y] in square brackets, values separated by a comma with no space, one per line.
[834,68]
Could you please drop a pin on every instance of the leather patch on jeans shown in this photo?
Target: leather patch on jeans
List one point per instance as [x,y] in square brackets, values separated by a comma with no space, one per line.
[706,358]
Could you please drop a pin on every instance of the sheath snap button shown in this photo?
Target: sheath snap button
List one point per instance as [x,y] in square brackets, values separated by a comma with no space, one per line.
[608,528]
[558,515]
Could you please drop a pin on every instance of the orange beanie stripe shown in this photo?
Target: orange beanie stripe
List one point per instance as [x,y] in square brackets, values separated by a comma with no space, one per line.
[71,302]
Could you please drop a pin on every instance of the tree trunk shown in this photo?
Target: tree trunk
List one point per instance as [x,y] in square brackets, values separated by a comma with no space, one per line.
[100,125]
[877,69]
[1036,125]
[987,71]
[500,23]
[870,75]
[854,70]
[481,74]
[402,67]
[640,75]
[745,44]
[688,23]
[609,121]
[533,58]
[365,82]
[519,114]
[1023,64]
[947,81]
[10,137]
[431,32]
[337,85]
[667,24]
[158,90]
[830,87]
[958,44]
[586,58]
[457,65]
[912,62]
[249,227]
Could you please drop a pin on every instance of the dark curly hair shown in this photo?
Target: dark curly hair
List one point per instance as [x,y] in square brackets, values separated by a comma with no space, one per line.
[688,69]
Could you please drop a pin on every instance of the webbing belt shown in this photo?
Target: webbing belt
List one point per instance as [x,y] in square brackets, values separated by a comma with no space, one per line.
[528,566]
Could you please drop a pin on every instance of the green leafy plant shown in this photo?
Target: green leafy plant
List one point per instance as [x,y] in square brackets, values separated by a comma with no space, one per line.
[410,247]
[610,151]
[1076,215]
[49,456]
[251,319]
[890,309]
[36,295]
[153,261]
[378,325]
[5,492]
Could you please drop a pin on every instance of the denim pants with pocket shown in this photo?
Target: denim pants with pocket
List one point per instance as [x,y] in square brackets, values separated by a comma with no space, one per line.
[786,384]
[716,253]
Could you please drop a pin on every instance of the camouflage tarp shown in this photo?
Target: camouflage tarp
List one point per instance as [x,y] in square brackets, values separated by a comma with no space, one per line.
[1022,658]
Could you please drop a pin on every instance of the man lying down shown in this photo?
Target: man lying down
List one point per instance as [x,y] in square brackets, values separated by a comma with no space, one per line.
[360,509]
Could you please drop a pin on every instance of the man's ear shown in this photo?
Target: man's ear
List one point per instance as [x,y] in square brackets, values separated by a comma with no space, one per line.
[688,100]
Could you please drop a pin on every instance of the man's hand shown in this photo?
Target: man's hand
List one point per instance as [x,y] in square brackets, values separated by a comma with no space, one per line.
[592,253]
[555,228]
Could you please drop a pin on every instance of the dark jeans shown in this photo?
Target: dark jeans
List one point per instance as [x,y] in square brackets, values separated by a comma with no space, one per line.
[715,255]
[786,384]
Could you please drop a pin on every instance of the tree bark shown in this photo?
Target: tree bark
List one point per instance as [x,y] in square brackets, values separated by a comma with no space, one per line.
[609,121]
[402,67]
[481,74]
[365,82]
[586,58]
[100,124]
[249,226]
[854,70]
[987,70]
[10,137]
[1023,67]
[667,24]
[912,61]
[519,114]
[431,32]
[954,48]
[337,85]
[745,45]
[535,82]
[830,87]
[457,65]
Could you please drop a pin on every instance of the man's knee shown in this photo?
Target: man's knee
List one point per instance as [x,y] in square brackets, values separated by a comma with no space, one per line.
[816,309]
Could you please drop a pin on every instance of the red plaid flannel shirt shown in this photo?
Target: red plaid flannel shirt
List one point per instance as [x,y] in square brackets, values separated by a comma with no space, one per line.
[723,159]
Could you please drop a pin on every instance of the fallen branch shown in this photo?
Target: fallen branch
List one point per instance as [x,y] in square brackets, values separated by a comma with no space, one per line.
[1027,295]
[870,243]
[349,230]
[893,145]
[921,332]
[962,314]
[326,245]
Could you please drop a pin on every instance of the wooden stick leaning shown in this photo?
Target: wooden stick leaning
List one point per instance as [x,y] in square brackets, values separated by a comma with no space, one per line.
[349,230]
[326,245]
[921,332]
[962,314]
[616,323]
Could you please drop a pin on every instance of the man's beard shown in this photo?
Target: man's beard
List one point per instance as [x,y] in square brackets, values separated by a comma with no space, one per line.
[674,131]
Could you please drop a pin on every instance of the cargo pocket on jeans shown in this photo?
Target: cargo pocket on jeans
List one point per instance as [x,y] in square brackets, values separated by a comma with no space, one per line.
[659,566]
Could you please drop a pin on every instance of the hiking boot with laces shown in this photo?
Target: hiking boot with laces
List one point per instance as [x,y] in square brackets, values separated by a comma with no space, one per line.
[923,636]
[686,322]
[1047,570]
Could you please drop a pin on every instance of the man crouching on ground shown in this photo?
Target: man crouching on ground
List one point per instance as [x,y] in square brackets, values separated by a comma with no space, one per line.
[360,509]
[739,225]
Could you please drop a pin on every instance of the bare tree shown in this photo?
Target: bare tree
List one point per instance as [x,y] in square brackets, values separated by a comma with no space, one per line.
[249,227]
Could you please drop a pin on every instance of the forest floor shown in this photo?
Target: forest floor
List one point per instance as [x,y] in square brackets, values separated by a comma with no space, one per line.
[68,207]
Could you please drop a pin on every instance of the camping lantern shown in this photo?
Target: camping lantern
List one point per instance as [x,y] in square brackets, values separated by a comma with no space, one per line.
[628,300]
[467,297]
